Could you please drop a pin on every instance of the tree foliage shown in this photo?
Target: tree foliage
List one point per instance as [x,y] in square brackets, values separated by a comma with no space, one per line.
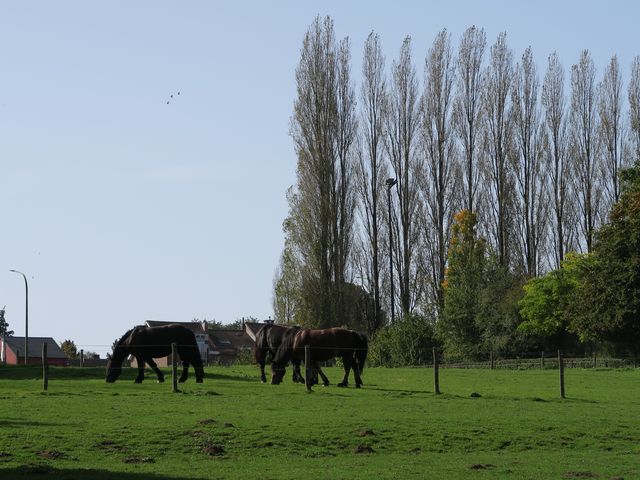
[606,306]
[69,348]
[546,298]
[464,282]
[4,325]
[409,341]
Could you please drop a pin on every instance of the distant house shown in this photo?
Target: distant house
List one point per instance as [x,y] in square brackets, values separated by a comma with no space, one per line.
[226,345]
[13,352]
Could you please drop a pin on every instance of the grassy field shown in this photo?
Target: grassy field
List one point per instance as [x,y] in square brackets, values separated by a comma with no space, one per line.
[514,426]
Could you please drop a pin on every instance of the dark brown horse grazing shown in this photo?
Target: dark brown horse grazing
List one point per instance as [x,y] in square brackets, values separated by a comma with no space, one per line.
[326,344]
[268,339]
[147,343]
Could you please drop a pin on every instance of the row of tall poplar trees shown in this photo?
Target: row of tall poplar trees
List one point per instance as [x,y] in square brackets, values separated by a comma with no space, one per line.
[536,161]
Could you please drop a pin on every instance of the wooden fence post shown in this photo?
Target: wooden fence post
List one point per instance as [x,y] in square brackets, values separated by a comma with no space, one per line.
[45,367]
[595,360]
[492,360]
[436,376]
[542,360]
[174,367]
[561,369]
[308,370]
[81,358]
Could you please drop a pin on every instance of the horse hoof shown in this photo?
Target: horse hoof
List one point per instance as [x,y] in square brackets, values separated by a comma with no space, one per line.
[325,384]
[180,380]
[358,386]
[342,385]
[198,380]
[137,381]
[161,380]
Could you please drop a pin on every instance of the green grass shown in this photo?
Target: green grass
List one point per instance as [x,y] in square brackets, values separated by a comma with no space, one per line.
[234,427]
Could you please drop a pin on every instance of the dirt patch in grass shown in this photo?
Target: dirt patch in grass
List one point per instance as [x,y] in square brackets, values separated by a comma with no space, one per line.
[579,475]
[5,455]
[50,454]
[213,449]
[363,449]
[229,425]
[481,466]
[366,433]
[138,460]
[206,421]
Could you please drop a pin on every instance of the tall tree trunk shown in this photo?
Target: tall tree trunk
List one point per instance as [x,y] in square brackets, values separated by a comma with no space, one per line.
[438,182]
[401,142]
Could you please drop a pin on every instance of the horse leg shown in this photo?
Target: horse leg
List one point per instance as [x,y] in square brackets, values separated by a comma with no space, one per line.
[325,380]
[356,373]
[140,362]
[297,375]
[263,377]
[155,368]
[185,372]
[346,361]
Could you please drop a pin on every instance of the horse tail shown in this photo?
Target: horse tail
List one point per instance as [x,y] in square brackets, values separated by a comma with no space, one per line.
[362,348]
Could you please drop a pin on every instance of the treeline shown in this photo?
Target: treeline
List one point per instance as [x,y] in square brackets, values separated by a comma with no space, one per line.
[477,173]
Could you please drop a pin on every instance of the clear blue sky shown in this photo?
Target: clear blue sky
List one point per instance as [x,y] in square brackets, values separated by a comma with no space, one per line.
[121,208]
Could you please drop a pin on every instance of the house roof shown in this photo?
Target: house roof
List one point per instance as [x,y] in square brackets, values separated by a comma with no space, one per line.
[252,328]
[35,346]
[231,339]
[195,327]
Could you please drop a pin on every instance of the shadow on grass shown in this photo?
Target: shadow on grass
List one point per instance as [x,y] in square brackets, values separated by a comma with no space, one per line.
[34,372]
[47,472]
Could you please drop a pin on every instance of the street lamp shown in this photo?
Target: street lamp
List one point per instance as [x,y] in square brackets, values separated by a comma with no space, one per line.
[390,183]
[26,316]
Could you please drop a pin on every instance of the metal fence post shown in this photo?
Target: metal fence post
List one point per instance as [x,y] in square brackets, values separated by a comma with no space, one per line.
[561,369]
[45,367]
[436,375]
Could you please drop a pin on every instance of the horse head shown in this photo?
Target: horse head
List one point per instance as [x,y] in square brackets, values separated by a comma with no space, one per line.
[114,365]
[277,373]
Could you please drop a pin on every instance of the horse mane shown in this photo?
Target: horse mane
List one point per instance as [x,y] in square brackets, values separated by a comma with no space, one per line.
[124,337]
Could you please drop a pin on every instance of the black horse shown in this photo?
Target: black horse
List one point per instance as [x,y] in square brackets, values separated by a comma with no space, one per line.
[268,339]
[147,343]
[350,346]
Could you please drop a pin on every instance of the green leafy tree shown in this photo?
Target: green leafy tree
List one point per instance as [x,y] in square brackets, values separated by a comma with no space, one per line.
[409,341]
[544,304]
[464,282]
[69,348]
[498,315]
[606,306]
[4,326]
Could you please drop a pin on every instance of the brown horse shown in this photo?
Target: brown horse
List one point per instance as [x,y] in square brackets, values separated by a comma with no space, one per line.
[324,345]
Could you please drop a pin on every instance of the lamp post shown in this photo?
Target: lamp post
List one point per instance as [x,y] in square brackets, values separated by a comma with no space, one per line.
[390,183]
[26,316]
